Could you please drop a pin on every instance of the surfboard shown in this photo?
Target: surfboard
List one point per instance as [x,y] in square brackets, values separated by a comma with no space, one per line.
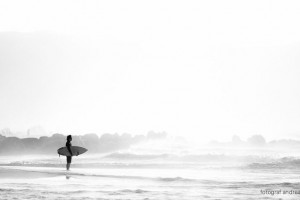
[75,150]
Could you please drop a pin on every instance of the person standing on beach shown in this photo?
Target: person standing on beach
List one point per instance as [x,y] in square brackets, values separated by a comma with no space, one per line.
[68,145]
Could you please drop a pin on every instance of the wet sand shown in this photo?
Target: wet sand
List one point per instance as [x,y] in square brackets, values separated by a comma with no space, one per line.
[10,173]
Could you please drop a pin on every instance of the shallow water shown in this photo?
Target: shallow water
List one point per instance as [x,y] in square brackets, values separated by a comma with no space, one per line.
[111,179]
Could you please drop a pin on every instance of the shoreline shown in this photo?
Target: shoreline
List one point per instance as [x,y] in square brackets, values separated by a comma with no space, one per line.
[13,173]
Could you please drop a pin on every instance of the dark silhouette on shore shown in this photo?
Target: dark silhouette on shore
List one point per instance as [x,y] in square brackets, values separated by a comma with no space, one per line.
[68,145]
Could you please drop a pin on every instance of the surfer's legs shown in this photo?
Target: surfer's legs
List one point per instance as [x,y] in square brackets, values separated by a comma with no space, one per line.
[69,160]
[68,166]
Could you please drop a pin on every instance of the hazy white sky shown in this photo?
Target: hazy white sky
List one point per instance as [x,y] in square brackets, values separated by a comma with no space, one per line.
[206,69]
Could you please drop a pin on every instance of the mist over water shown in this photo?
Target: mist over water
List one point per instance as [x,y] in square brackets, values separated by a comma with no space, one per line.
[154,148]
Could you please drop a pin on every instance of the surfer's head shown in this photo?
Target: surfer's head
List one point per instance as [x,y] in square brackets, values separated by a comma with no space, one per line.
[69,137]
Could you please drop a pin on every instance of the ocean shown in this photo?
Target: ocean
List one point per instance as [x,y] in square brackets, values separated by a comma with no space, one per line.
[160,170]
[127,175]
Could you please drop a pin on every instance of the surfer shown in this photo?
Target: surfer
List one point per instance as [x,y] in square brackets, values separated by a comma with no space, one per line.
[70,151]
[68,145]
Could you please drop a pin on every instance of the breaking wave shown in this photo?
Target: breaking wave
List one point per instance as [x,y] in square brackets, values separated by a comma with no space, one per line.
[282,163]
[187,157]
[149,161]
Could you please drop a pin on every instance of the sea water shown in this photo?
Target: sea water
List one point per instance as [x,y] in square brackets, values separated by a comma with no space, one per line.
[155,177]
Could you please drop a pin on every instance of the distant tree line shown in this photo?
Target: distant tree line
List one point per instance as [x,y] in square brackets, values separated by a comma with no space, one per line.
[94,143]
[258,141]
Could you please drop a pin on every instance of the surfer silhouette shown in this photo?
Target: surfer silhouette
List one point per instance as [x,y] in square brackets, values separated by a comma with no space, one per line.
[68,145]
